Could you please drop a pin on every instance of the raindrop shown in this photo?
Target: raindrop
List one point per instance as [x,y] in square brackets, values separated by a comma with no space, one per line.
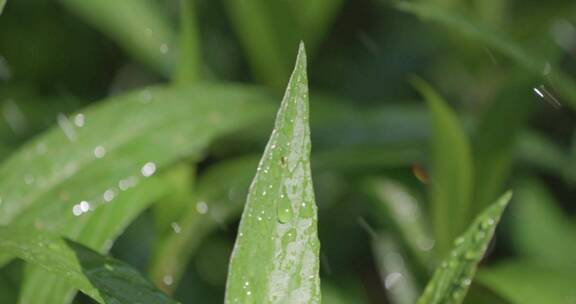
[99,152]
[79,120]
[66,127]
[392,279]
[108,195]
[76,210]
[84,206]
[168,280]
[146,96]
[202,207]
[466,282]
[176,227]
[148,169]
[164,48]
[284,213]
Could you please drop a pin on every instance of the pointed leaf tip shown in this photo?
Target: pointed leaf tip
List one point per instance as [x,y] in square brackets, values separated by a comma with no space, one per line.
[453,278]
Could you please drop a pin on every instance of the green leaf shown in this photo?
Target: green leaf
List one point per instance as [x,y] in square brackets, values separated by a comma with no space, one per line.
[495,139]
[525,283]
[549,239]
[452,171]
[220,194]
[560,81]
[2,4]
[269,30]
[451,280]
[136,25]
[104,279]
[190,63]
[275,258]
[396,206]
[98,232]
[120,142]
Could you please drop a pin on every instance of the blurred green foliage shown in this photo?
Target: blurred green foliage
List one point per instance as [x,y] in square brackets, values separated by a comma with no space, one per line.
[397,176]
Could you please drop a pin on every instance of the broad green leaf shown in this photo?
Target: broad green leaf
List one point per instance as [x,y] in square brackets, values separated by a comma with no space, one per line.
[138,26]
[190,63]
[116,145]
[275,258]
[453,277]
[396,206]
[525,283]
[221,192]
[452,172]
[560,81]
[98,232]
[104,279]
[549,239]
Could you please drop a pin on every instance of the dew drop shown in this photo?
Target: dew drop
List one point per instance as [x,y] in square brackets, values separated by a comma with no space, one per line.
[168,280]
[108,195]
[84,206]
[79,120]
[99,152]
[164,48]
[148,169]
[202,207]
[284,212]
[76,210]
[176,227]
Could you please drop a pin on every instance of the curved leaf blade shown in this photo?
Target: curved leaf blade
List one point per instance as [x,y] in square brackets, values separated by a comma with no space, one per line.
[104,279]
[275,258]
[452,279]
[136,25]
[452,171]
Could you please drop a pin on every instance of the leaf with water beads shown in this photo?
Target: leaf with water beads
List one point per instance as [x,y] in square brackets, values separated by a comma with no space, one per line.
[104,279]
[452,279]
[275,258]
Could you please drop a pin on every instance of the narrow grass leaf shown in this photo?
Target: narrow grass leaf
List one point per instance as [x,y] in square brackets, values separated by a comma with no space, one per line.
[138,26]
[453,277]
[104,279]
[396,206]
[522,282]
[2,4]
[452,172]
[275,258]
[189,64]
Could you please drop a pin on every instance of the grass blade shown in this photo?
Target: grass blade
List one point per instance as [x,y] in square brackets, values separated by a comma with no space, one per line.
[136,25]
[190,64]
[275,258]
[2,4]
[452,172]
[452,279]
[104,279]
[524,283]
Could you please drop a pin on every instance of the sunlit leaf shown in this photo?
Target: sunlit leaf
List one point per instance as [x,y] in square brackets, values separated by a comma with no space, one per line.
[452,172]
[453,277]
[2,4]
[525,283]
[138,26]
[275,258]
[104,279]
